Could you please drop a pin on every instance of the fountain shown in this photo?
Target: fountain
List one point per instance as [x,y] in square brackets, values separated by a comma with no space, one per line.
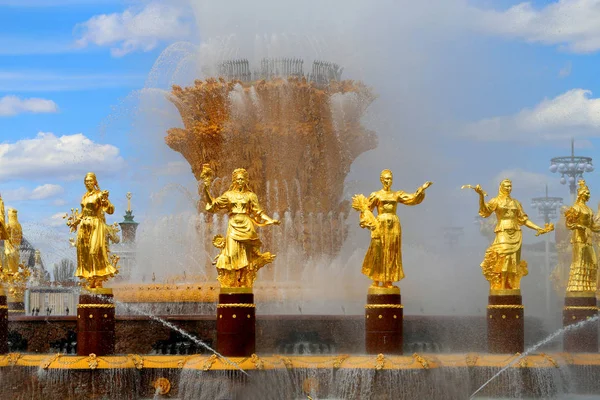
[292,135]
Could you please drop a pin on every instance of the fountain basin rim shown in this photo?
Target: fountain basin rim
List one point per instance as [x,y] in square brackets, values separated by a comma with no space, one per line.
[274,362]
[207,317]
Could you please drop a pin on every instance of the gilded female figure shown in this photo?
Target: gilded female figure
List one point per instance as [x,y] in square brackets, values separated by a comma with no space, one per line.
[93,262]
[584,266]
[12,246]
[383,261]
[502,265]
[240,256]
[3,228]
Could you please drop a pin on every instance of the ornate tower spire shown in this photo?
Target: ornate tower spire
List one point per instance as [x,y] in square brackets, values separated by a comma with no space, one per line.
[128,226]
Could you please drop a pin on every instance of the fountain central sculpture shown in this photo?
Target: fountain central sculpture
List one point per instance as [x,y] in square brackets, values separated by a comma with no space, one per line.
[246,119]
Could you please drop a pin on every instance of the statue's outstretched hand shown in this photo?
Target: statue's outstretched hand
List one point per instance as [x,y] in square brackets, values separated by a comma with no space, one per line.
[476,188]
[547,228]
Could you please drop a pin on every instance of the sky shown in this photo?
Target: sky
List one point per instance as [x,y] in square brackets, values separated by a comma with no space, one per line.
[468,92]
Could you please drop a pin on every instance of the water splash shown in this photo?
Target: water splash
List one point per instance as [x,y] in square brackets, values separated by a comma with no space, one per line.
[536,346]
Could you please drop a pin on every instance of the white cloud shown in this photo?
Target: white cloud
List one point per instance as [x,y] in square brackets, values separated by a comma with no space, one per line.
[67,157]
[13,105]
[135,29]
[572,114]
[523,181]
[572,24]
[46,191]
[55,220]
[39,193]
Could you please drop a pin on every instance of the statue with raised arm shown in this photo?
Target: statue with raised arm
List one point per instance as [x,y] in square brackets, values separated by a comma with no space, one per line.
[95,265]
[584,265]
[502,265]
[240,258]
[383,261]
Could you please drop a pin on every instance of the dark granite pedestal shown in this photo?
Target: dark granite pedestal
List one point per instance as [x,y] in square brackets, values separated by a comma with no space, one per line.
[580,307]
[3,322]
[383,321]
[96,322]
[236,322]
[505,322]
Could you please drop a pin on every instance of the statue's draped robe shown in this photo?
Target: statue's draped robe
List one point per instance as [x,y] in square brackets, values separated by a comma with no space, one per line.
[584,265]
[92,238]
[503,257]
[12,246]
[242,244]
[383,261]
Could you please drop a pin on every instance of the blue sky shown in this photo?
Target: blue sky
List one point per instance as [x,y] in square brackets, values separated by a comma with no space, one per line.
[468,91]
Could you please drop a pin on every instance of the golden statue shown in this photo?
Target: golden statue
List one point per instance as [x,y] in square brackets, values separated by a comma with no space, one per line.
[383,261]
[240,257]
[584,266]
[13,272]
[502,265]
[94,265]
[562,239]
[12,246]
[3,228]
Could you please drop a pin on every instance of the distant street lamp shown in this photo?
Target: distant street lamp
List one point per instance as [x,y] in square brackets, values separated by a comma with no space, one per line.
[570,168]
[547,206]
[548,209]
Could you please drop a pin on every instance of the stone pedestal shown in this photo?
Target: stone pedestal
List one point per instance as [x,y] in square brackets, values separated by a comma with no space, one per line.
[383,321]
[505,322]
[16,301]
[579,307]
[236,322]
[96,322]
[3,322]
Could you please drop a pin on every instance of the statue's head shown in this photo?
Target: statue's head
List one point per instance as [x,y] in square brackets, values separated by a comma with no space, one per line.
[386,178]
[239,179]
[90,181]
[12,214]
[583,192]
[505,187]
